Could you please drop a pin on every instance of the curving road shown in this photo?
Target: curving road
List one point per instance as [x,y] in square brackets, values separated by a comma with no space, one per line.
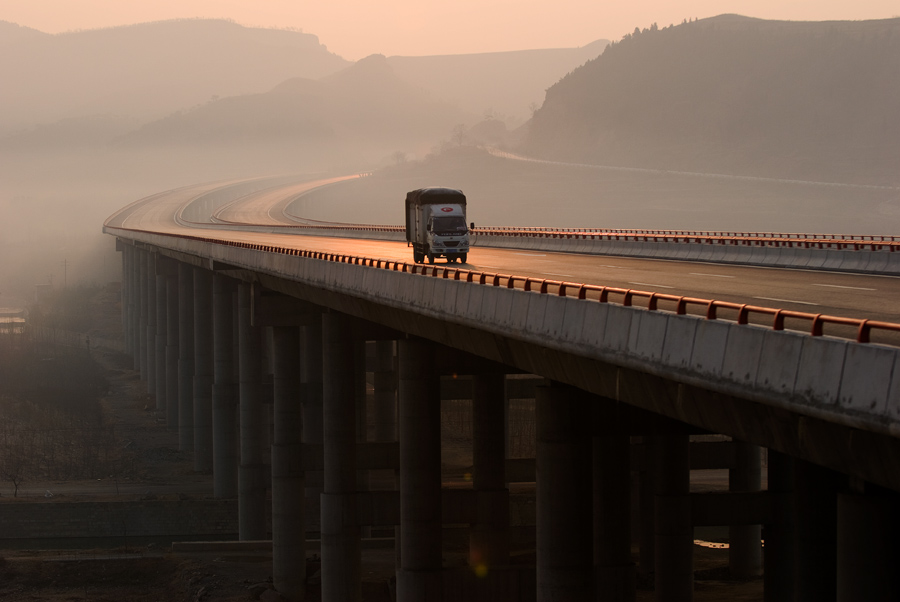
[838,294]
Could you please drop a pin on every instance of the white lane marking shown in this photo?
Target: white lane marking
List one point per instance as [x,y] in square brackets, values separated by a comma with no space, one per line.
[853,288]
[615,267]
[711,275]
[532,254]
[653,285]
[552,274]
[785,300]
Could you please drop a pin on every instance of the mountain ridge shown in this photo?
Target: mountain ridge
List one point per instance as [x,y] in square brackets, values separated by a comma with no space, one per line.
[735,95]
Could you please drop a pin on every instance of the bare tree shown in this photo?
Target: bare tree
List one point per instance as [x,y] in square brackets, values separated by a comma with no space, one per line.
[14,463]
[459,134]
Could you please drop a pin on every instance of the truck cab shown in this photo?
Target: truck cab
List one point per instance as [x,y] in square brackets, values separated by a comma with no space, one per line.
[436,224]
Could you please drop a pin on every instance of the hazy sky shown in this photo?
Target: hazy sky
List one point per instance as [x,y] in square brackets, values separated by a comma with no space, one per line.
[357,28]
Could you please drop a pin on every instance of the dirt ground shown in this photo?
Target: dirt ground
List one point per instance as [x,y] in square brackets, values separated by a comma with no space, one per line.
[157,574]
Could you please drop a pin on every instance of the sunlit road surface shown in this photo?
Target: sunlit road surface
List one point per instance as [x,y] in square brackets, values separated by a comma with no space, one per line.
[810,291]
[267,207]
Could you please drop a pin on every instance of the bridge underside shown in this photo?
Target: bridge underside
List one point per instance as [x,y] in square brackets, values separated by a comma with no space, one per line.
[827,510]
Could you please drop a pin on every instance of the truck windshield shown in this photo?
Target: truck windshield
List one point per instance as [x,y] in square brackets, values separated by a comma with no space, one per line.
[450,226]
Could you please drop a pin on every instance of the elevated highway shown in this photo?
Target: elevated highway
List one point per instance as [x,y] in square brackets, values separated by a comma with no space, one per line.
[643,350]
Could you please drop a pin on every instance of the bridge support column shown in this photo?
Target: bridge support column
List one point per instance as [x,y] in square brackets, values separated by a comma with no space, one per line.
[140,335]
[341,551]
[489,536]
[185,357]
[251,476]
[385,386]
[127,294]
[778,576]
[564,507]
[311,377]
[172,342]
[150,339]
[134,303]
[646,510]
[203,370]
[162,305]
[360,394]
[614,572]
[419,577]
[745,547]
[815,521]
[288,529]
[224,406]
[670,452]
[385,391]
[866,547]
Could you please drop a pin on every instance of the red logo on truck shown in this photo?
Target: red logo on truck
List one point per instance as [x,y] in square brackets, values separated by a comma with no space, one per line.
[446,209]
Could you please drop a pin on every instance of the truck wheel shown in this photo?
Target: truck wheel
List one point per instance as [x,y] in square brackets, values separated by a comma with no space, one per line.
[430,258]
[462,257]
[417,257]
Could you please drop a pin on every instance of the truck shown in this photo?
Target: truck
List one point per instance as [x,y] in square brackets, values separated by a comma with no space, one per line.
[436,224]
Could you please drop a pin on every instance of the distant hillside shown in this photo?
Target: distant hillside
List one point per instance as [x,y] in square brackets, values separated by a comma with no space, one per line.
[506,84]
[10,34]
[365,106]
[146,71]
[736,95]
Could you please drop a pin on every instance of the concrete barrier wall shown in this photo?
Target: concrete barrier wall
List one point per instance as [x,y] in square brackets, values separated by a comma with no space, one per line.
[864,261]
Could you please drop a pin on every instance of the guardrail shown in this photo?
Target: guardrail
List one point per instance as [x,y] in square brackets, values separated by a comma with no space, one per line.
[838,242]
[701,233]
[709,308]
[823,241]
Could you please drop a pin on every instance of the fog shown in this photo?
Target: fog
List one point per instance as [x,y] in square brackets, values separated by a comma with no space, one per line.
[94,120]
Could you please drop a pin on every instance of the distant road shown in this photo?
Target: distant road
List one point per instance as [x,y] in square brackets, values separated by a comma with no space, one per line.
[696,174]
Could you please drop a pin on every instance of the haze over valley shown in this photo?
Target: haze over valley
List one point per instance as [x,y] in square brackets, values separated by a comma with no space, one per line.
[754,115]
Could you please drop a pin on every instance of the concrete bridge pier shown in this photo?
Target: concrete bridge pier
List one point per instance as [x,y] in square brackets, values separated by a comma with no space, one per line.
[203,370]
[185,357]
[563,492]
[252,472]
[127,290]
[815,524]
[134,304]
[162,305]
[778,573]
[867,530]
[385,389]
[224,400]
[140,335]
[360,395]
[419,576]
[288,526]
[311,379]
[172,344]
[646,509]
[489,535]
[150,339]
[384,380]
[150,334]
[745,547]
[674,541]
[341,549]
[614,571]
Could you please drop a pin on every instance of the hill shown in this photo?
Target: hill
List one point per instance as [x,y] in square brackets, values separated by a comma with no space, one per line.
[146,71]
[735,95]
[505,84]
[363,109]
